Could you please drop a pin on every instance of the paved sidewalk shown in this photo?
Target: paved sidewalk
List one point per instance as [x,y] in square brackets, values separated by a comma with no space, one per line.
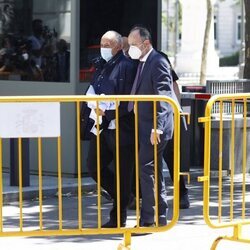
[191,232]
[50,187]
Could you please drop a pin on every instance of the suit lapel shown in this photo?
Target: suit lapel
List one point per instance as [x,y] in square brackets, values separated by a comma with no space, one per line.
[145,69]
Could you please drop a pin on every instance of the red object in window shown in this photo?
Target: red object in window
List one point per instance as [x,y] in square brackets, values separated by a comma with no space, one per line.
[94,46]
[87,74]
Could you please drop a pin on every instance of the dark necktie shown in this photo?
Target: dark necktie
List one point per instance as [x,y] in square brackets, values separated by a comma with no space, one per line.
[135,85]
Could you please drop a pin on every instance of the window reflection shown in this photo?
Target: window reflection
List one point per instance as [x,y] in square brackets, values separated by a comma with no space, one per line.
[35,40]
[97,17]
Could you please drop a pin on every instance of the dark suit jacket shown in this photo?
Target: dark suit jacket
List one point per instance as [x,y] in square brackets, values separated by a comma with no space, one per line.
[155,79]
[116,78]
[65,70]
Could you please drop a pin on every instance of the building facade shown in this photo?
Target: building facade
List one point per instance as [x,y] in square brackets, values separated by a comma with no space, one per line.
[227,26]
[227,23]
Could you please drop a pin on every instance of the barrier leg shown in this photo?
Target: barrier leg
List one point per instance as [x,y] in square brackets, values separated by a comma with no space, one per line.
[239,240]
[215,243]
[127,242]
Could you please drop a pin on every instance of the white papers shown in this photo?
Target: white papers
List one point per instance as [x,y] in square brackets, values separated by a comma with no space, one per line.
[93,116]
[29,120]
[103,105]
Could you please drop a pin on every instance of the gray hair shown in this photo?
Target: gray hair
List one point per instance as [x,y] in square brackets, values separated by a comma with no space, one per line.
[111,34]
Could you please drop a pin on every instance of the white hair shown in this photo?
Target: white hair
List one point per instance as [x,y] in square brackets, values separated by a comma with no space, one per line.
[111,34]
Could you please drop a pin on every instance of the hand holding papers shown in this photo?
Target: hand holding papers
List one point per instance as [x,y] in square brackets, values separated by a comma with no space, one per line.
[103,106]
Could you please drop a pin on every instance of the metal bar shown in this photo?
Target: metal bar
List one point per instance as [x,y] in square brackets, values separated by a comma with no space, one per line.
[20,183]
[220,162]
[237,232]
[244,160]
[98,155]
[232,162]
[176,157]
[156,168]
[79,176]
[118,166]
[127,240]
[40,183]
[137,164]
[59,155]
[83,98]
[207,155]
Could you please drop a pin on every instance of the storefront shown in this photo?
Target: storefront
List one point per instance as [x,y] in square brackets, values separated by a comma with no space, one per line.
[73,26]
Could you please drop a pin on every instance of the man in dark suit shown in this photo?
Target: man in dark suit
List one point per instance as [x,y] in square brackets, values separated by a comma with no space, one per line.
[168,153]
[114,76]
[153,78]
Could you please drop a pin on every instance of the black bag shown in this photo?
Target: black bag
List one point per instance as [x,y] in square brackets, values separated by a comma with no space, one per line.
[85,122]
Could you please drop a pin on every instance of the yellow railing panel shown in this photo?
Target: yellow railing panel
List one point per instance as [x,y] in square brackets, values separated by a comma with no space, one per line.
[80,228]
[231,202]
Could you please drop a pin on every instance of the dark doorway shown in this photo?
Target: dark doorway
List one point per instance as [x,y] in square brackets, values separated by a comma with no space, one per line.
[98,16]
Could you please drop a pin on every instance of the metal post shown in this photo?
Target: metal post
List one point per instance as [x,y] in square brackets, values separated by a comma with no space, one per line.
[14,172]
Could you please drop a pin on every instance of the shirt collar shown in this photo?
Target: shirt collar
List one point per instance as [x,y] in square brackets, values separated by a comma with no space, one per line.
[144,59]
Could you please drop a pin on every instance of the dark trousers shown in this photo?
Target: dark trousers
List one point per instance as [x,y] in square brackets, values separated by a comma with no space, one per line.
[108,175]
[147,181]
[169,159]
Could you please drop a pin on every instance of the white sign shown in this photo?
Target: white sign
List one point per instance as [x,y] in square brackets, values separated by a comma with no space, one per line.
[29,120]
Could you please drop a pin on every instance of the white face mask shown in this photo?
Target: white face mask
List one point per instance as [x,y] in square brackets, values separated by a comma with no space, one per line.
[134,52]
[106,54]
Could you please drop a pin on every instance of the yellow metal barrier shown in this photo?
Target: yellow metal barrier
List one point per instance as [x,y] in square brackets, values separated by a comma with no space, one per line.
[81,229]
[227,155]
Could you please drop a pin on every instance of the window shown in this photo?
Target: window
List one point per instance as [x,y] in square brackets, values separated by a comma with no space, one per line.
[97,17]
[238,29]
[215,28]
[35,40]
[215,31]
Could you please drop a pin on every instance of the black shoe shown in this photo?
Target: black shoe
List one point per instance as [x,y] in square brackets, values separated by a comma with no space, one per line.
[145,224]
[113,224]
[184,201]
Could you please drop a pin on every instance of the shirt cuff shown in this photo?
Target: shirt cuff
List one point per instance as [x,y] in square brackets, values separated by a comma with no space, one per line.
[158,131]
